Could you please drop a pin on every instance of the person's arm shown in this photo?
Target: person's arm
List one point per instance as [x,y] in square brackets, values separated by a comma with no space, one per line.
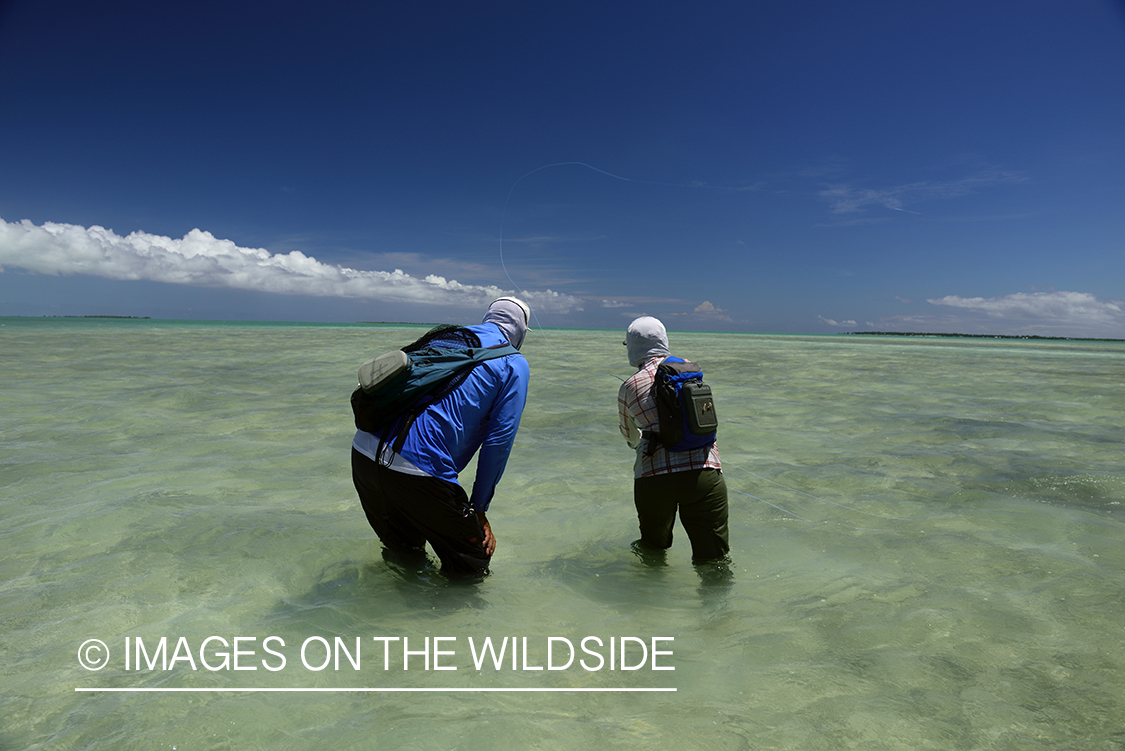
[489,540]
[503,423]
[626,423]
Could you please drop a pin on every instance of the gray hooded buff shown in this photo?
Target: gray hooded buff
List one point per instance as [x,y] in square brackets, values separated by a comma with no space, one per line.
[510,314]
[646,338]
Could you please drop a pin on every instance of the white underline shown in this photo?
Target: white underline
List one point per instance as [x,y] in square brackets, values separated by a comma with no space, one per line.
[380,690]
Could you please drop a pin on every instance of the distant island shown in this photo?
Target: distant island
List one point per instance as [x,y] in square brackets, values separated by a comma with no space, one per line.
[984,336]
[139,318]
[396,323]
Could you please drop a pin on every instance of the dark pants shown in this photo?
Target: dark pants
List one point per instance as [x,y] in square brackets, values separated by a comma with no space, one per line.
[701,498]
[407,511]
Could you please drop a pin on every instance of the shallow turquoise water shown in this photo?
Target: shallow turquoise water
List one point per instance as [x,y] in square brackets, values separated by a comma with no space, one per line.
[926,534]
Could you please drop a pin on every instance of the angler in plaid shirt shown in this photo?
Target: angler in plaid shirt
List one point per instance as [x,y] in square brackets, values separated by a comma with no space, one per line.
[690,482]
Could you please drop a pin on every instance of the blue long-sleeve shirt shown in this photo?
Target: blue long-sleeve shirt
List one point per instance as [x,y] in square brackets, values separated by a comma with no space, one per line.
[482,413]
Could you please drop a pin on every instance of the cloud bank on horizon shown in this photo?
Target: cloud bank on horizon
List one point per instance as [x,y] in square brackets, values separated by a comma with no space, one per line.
[1061,308]
[200,259]
[1054,313]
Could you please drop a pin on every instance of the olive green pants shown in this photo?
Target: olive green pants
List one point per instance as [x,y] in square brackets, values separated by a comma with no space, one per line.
[700,497]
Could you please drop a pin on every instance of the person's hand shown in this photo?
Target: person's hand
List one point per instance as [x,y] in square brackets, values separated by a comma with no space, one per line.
[489,540]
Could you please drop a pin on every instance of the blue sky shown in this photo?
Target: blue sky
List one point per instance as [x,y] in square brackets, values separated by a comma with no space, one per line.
[804,167]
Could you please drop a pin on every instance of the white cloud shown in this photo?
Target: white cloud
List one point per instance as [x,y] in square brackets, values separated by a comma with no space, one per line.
[201,259]
[706,311]
[1055,313]
[709,310]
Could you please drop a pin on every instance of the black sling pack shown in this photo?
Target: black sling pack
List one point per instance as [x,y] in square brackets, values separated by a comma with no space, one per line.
[684,408]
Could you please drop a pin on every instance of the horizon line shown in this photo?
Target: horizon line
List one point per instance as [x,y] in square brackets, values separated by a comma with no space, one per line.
[364,689]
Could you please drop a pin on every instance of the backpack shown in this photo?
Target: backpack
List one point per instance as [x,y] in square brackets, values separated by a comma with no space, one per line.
[403,382]
[684,408]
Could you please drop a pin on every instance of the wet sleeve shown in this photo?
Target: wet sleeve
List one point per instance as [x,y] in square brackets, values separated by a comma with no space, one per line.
[503,423]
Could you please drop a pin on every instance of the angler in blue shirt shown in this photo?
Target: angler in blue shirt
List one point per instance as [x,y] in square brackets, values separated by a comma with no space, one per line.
[412,496]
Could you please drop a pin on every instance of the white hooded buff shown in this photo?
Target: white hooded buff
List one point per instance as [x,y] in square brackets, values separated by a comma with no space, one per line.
[646,338]
[511,315]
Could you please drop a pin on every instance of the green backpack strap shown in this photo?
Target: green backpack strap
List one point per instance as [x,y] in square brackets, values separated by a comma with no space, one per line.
[399,382]
[476,357]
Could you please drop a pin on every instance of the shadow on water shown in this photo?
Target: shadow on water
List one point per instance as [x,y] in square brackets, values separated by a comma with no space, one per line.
[715,577]
[615,575]
[352,593]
